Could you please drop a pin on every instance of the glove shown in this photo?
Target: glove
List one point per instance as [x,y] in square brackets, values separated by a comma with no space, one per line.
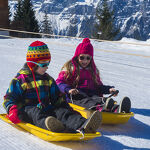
[13,114]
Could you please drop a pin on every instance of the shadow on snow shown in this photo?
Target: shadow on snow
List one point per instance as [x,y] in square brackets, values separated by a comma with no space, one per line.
[134,128]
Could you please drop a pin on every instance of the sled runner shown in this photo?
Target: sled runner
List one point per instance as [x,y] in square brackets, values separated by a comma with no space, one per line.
[107,117]
[48,135]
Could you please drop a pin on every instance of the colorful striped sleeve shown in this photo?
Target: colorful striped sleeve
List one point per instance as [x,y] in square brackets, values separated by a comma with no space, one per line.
[13,94]
[55,95]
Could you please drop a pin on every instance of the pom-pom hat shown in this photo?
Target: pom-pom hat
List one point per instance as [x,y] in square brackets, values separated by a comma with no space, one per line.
[84,48]
[37,51]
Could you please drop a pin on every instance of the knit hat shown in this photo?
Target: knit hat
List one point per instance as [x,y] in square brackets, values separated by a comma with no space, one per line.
[37,51]
[84,48]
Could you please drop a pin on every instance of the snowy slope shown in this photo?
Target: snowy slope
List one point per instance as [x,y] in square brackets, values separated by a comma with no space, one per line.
[124,65]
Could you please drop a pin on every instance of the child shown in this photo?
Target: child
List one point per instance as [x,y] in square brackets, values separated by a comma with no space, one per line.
[33,96]
[79,79]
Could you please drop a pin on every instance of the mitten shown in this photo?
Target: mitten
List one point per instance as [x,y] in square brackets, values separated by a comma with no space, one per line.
[13,114]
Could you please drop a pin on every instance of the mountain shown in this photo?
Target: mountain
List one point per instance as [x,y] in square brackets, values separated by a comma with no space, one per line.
[133,17]
[77,17]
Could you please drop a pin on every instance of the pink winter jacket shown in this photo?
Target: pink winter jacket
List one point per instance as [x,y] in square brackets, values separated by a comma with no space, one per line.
[86,84]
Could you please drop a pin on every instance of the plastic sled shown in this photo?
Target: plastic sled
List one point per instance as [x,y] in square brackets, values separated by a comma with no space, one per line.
[107,117]
[48,135]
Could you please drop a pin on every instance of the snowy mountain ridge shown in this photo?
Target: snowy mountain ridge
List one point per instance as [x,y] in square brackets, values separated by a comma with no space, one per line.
[76,17]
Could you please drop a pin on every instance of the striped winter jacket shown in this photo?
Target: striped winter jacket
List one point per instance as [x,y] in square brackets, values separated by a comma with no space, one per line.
[22,92]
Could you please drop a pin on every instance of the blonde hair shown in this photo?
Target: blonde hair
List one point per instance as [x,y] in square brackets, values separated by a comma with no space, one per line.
[68,68]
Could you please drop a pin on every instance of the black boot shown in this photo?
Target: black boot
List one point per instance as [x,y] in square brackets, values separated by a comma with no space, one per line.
[125,105]
[108,104]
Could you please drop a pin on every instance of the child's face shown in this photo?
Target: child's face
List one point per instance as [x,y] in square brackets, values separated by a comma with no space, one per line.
[42,70]
[84,60]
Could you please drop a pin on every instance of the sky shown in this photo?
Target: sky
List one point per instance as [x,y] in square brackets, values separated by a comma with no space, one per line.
[124,64]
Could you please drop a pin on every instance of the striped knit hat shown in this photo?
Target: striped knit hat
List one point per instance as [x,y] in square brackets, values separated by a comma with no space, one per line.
[37,51]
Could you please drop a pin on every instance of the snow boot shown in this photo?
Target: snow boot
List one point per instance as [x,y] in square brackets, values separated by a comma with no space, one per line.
[54,124]
[125,106]
[109,103]
[91,124]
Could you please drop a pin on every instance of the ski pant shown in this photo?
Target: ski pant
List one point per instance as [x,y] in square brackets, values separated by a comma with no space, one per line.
[89,102]
[93,102]
[72,120]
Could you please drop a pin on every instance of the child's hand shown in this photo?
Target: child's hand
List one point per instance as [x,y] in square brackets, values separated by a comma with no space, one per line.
[73,91]
[111,90]
[13,114]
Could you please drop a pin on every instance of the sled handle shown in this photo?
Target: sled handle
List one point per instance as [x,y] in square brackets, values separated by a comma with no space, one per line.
[113,93]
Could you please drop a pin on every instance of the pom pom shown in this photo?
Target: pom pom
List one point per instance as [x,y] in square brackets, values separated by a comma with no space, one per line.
[86,40]
[37,43]
[40,106]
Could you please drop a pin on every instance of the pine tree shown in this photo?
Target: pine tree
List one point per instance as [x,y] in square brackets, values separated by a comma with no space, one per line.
[72,28]
[19,13]
[17,23]
[105,28]
[46,26]
[24,19]
[30,22]
[9,15]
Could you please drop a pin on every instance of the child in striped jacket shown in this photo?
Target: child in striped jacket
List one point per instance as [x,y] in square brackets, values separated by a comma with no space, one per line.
[33,96]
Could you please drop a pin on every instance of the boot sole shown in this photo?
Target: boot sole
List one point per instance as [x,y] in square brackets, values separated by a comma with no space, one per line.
[125,105]
[54,125]
[93,122]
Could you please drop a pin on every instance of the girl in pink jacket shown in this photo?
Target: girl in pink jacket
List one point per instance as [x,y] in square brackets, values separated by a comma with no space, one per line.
[79,79]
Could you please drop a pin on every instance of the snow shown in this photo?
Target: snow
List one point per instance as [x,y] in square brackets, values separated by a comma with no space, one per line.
[126,66]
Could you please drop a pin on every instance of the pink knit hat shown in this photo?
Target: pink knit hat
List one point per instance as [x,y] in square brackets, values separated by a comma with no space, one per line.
[84,48]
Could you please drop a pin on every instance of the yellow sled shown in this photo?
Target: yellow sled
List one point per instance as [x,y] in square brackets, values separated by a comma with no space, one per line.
[48,135]
[107,117]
